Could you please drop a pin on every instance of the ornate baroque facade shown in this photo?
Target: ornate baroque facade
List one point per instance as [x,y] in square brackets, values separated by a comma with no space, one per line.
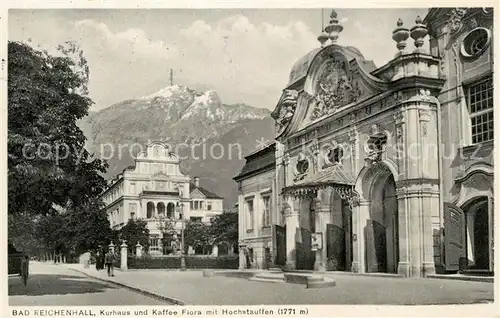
[388,169]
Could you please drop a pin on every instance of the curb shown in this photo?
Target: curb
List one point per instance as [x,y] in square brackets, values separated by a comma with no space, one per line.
[172,300]
[464,278]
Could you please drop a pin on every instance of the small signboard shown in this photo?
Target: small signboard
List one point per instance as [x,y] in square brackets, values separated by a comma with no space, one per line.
[316,241]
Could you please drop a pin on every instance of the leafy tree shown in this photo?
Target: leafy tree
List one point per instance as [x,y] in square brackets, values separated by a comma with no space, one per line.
[135,231]
[87,226]
[167,228]
[197,235]
[48,165]
[224,228]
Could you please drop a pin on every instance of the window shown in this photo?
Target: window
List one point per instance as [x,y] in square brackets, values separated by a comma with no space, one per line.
[480,102]
[195,219]
[267,211]
[132,209]
[475,43]
[209,206]
[196,205]
[302,166]
[377,144]
[191,205]
[335,155]
[250,214]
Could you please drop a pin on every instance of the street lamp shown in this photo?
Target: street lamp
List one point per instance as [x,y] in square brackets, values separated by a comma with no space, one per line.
[180,210]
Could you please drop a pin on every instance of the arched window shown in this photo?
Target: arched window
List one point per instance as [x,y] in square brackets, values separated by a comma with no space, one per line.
[161,209]
[150,210]
[170,210]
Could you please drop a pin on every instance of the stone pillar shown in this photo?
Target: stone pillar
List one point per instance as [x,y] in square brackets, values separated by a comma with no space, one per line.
[123,256]
[322,210]
[138,249]
[292,225]
[215,250]
[242,258]
[418,188]
[360,216]
[112,247]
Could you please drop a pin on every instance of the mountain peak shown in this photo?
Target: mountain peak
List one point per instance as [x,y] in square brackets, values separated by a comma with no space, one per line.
[167,91]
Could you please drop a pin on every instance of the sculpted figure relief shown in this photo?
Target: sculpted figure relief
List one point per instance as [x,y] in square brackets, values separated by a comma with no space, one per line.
[335,88]
[287,107]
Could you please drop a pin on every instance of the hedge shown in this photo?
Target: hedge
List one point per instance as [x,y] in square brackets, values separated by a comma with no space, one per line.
[174,262]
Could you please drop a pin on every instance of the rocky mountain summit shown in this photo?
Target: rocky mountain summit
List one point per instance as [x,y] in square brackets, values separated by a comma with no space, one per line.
[183,118]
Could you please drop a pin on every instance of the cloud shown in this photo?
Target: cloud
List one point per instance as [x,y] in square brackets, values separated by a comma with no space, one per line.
[98,36]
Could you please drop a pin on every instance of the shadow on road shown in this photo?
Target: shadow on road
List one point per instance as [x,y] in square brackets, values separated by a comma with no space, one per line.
[52,284]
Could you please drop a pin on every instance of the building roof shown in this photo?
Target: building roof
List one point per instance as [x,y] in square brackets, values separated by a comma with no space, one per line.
[206,193]
[301,67]
[260,160]
[333,175]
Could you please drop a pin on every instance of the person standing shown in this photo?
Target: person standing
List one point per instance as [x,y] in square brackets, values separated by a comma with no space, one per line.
[98,260]
[109,259]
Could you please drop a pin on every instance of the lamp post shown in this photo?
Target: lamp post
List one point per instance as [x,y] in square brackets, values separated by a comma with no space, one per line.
[180,208]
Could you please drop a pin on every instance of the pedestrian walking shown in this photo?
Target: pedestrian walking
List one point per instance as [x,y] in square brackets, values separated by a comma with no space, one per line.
[25,269]
[109,259]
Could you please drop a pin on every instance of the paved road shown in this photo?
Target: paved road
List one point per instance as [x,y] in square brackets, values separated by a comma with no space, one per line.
[194,289]
[56,285]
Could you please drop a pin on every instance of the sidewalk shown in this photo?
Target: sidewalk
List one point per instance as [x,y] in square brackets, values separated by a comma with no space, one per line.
[191,288]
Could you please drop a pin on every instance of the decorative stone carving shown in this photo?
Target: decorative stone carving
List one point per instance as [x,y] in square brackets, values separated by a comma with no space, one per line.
[399,117]
[349,195]
[368,110]
[393,99]
[286,159]
[287,106]
[455,19]
[417,33]
[353,134]
[335,88]
[442,62]
[422,95]
[424,115]
[375,129]
[400,35]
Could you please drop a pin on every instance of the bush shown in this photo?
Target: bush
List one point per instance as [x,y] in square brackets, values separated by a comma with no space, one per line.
[192,262]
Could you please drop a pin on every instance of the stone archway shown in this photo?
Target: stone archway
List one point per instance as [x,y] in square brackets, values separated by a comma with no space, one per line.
[379,221]
[170,210]
[150,210]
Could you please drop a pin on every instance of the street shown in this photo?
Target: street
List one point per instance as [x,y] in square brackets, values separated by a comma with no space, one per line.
[56,285]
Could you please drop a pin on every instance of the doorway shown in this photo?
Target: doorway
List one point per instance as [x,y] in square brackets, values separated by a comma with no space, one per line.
[478,234]
[381,231]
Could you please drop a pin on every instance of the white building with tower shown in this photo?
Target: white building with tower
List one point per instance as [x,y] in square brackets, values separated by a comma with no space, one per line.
[155,188]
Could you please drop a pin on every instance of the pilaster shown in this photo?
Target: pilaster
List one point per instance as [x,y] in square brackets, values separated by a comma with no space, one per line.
[360,216]
[292,224]
[322,210]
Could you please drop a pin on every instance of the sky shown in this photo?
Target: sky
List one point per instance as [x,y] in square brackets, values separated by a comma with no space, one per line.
[245,55]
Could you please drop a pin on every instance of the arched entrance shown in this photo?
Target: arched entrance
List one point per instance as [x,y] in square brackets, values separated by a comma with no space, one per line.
[150,210]
[170,210]
[477,233]
[381,228]
[339,245]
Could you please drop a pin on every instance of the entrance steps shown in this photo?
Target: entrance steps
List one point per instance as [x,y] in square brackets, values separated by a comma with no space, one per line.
[270,277]
[309,280]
